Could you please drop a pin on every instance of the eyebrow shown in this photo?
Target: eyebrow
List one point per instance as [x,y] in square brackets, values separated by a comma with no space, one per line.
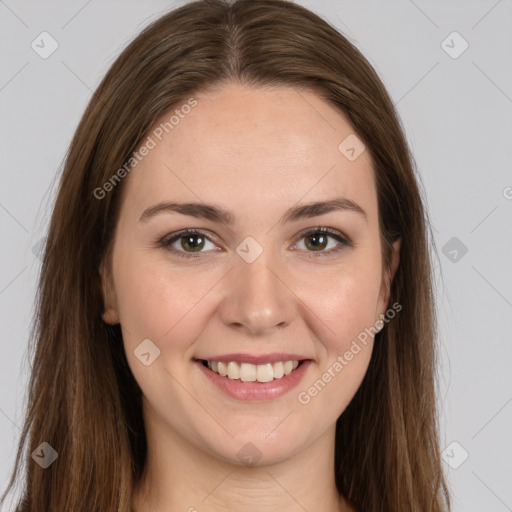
[220,215]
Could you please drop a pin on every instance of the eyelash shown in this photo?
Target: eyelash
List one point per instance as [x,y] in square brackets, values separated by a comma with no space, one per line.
[165,242]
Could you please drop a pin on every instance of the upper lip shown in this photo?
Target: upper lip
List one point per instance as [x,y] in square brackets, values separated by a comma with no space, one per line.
[254,359]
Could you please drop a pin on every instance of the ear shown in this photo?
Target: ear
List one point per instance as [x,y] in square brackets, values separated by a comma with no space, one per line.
[388,278]
[110,311]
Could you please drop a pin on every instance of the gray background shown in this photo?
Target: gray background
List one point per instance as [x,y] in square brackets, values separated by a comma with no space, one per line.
[457,113]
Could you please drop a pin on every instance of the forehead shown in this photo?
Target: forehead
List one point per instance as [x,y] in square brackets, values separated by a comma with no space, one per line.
[240,144]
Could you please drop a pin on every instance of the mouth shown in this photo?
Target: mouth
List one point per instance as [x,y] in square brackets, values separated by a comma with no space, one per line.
[249,381]
[248,372]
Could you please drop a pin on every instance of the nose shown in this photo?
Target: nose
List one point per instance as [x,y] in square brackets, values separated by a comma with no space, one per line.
[257,298]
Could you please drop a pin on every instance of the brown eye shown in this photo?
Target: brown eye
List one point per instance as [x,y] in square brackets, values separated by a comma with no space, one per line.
[186,243]
[318,241]
[192,242]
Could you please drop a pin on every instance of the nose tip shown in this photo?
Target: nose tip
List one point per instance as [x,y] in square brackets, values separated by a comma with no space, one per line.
[256,299]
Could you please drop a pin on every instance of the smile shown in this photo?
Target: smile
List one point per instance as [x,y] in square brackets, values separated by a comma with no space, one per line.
[247,372]
[253,382]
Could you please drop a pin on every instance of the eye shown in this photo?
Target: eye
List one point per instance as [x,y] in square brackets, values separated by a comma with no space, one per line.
[317,240]
[187,240]
[190,243]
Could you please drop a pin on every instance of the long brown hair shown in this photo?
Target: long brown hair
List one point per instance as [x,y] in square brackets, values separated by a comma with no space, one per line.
[82,398]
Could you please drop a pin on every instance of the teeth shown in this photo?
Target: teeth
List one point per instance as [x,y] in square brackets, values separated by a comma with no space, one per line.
[278,369]
[222,368]
[233,370]
[264,372]
[247,372]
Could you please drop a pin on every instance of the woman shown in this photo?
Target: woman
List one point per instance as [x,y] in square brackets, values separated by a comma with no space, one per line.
[235,308]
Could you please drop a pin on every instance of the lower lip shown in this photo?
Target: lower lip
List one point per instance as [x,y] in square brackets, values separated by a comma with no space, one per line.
[252,391]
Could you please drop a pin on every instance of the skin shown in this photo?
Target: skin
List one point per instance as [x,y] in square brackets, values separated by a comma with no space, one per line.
[255,152]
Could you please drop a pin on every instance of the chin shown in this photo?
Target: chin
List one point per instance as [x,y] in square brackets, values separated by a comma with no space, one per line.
[258,446]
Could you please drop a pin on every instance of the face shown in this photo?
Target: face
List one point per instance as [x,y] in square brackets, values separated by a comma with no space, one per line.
[268,286]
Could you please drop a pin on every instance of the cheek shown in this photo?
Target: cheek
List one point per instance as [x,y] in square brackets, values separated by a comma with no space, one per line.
[157,300]
[333,388]
[345,313]
[160,302]
[345,303]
